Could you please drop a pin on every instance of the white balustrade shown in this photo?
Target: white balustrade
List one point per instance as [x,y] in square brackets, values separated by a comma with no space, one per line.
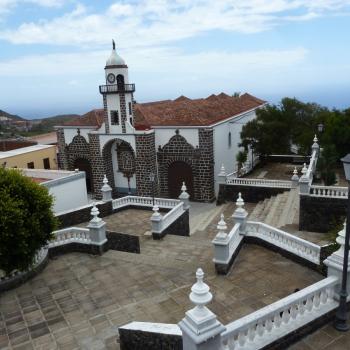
[144,202]
[70,235]
[172,215]
[259,182]
[284,240]
[329,191]
[274,321]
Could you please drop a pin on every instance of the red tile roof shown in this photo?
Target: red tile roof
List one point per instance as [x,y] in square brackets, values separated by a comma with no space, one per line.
[93,118]
[184,111]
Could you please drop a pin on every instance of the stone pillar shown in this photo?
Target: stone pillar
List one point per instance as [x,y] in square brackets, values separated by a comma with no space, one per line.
[316,146]
[221,244]
[156,220]
[62,158]
[222,175]
[106,190]
[105,114]
[97,228]
[200,328]
[97,163]
[240,214]
[295,178]
[185,197]
[335,261]
[145,164]
[304,181]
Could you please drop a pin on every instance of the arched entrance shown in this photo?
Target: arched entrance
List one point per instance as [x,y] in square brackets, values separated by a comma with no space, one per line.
[179,172]
[84,165]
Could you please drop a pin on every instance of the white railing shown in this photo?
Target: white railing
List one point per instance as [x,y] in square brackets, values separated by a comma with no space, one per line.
[284,240]
[274,321]
[70,235]
[225,247]
[259,182]
[329,191]
[144,202]
[171,216]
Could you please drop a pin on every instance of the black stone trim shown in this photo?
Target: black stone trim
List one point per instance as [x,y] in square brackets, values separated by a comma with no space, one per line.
[251,194]
[18,280]
[123,242]
[180,227]
[224,269]
[141,340]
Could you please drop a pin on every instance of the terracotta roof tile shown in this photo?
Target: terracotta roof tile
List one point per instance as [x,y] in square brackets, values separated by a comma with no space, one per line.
[93,118]
[184,111]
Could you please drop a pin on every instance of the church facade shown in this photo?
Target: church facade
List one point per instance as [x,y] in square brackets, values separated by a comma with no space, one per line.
[151,148]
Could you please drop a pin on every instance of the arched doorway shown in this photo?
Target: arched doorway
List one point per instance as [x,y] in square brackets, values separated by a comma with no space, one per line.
[179,172]
[84,165]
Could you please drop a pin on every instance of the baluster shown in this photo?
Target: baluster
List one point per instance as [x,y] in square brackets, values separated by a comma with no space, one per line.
[323,298]
[260,329]
[268,325]
[330,292]
[309,303]
[285,316]
[294,311]
[225,345]
[251,332]
[316,300]
[241,338]
[277,320]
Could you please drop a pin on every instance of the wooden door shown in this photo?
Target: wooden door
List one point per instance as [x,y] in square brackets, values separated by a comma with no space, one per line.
[179,172]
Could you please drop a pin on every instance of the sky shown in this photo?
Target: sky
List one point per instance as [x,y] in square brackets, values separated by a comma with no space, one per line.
[53,52]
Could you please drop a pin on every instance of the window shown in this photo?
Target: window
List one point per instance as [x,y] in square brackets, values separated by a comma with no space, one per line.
[120,82]
[30,165]
[130,120]
[46,162]
[130,109]
[114,117]
[229,140]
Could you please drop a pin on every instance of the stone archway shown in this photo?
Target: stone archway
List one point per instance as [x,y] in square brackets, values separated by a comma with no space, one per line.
[125,162]
[84,165]
[179,172]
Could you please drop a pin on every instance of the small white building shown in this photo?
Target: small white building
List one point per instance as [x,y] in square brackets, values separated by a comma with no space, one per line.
[68,188]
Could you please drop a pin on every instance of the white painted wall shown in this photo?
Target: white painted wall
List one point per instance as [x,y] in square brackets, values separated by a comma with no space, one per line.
[164,135]
[70,133]
[223,154]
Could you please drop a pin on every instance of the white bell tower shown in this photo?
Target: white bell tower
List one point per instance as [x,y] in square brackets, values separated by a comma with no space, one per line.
[117,96]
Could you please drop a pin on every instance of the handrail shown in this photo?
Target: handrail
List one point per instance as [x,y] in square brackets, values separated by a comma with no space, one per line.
[329,191]
[172,215]
[70,235]
[285,240]
[144,202]
[264,326]
[259,182]
[114,88]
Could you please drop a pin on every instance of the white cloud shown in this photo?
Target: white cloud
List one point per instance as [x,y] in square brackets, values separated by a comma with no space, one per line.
[156,22]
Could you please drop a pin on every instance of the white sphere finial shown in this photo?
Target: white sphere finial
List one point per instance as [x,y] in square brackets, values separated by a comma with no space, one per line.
[105,180]
[183,187]
[295,171]
[315,139]
[304,169]
[222,227]
[240,201]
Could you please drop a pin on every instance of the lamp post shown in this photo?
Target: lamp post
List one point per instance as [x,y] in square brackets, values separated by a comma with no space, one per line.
[341,317]
[320,127]
[151,178]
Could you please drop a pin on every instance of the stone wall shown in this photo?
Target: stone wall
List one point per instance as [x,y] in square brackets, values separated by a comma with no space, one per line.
[145,164]
[78,148]
[105,114]
[141,340]
[97,164]
[200,159]
[83,215]
[123,242]
[250,194]
[320,214]
[61,144]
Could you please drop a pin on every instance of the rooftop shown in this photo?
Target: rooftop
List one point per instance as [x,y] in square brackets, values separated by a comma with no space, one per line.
[24,150]
[45,139]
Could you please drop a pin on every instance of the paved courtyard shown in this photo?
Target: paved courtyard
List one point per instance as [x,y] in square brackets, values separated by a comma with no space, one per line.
[79,300]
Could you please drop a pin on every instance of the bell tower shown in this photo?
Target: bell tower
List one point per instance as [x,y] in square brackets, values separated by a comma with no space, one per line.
[117,96]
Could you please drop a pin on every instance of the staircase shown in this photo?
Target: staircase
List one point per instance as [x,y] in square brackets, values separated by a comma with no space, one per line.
[279,210]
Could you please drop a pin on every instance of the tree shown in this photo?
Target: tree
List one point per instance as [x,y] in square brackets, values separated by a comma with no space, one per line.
[241,158]
[326,164]
[26,220]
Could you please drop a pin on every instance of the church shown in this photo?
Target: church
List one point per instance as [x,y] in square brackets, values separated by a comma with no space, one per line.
[151,148]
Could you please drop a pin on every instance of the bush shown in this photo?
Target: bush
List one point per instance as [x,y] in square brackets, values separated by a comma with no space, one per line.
[26,220]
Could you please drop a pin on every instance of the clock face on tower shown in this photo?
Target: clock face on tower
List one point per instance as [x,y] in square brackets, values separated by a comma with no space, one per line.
[111,78]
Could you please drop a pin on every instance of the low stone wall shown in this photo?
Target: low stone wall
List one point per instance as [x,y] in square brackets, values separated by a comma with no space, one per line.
[83,215]
[16,281]
[131,339]
[224,269]
[123,242]
[180,227]
[251,194]
[78,247]
[320,214]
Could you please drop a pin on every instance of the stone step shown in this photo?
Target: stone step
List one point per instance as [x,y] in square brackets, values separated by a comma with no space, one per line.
[294,219]
[256,214]
[272,217]
[287,210]
[267,208]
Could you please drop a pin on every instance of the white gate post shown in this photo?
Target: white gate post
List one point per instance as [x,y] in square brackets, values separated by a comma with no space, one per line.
[200,328]
[106,190]
[240,214]
[97,229]
[295,178]
[185,197]
[156,220]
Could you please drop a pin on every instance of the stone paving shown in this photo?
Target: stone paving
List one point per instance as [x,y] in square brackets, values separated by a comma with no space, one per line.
[79,300]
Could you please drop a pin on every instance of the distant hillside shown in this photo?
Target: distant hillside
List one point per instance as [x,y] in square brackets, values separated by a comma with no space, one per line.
[49,122]
[11,116]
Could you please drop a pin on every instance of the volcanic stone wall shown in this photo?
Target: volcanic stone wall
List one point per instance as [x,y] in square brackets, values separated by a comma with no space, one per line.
[62,155]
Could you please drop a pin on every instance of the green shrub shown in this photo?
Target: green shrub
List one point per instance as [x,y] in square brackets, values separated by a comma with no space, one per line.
[26,220]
